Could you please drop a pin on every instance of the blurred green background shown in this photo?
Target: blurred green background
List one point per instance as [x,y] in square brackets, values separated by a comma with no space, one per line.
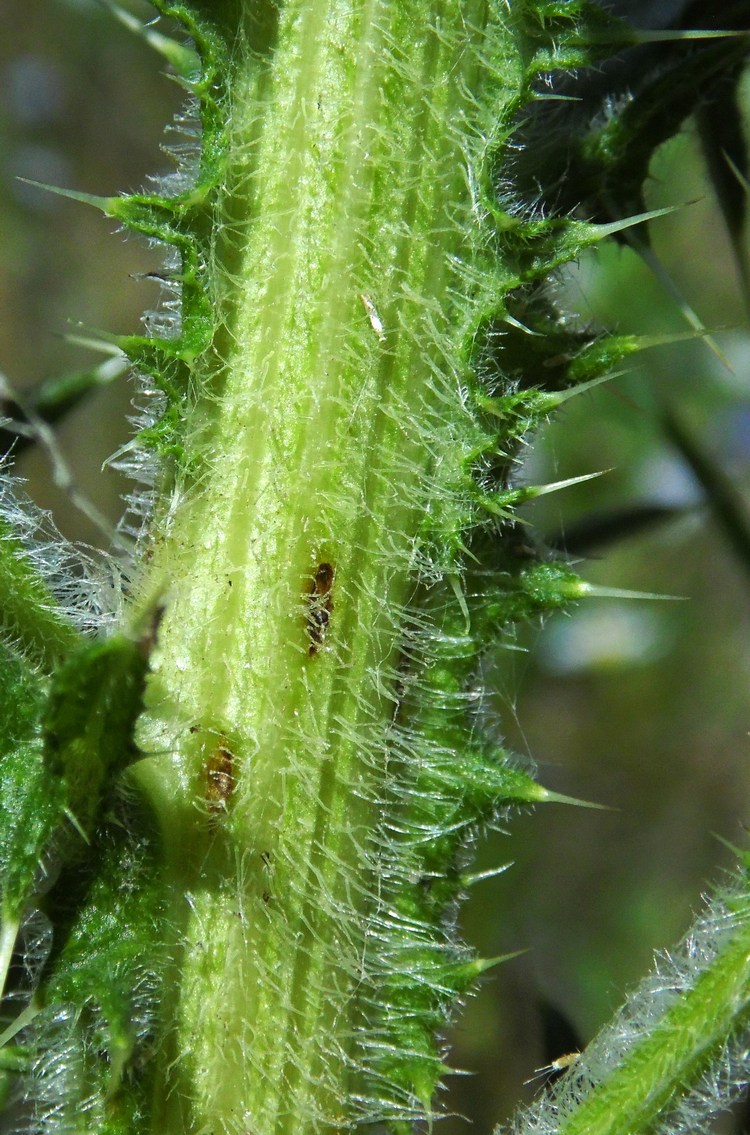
[641,706]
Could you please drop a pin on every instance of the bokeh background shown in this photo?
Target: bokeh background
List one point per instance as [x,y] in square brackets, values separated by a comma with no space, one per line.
[642,706]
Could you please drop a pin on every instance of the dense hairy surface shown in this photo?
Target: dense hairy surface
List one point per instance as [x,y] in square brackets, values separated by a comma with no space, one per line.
[252,912]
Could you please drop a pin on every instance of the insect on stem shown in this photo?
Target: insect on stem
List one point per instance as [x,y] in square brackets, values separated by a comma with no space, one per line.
[320,606]
[548,1071]
[220,778]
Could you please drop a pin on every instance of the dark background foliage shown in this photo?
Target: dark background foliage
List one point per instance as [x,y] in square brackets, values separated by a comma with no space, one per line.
[639,705]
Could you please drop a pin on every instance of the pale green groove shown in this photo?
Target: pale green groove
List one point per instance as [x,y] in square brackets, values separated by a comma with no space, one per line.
[325,431]
[669,1060]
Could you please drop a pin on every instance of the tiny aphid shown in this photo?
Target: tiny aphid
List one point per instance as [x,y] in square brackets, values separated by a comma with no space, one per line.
[320,606]
[220,780]
[372,314]
[560,1065]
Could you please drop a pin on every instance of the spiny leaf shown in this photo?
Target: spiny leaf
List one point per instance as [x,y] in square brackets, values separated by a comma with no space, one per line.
[184,60]
[88,724]
[31,621]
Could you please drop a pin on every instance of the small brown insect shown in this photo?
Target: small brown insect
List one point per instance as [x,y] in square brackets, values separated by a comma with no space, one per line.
[547,1071]
[220,780]
[320,606]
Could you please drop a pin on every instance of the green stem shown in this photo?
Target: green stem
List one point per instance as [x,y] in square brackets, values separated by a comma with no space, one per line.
[685,1042]
[252,913]
[286,566]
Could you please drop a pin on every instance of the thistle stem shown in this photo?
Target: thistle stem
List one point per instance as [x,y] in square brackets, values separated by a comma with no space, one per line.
[286,566]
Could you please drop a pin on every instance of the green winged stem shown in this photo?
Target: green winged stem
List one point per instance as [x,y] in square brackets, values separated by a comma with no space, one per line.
[252,913]
[310,572]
